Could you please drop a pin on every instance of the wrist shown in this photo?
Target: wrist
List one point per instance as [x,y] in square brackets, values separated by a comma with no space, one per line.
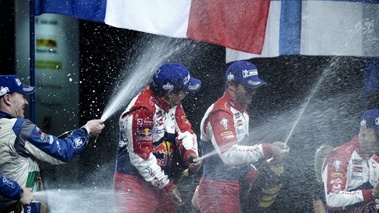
[169,187]
[86,128]
[21,193]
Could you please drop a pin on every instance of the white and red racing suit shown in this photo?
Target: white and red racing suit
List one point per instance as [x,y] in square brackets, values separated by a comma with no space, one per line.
[224,125]
[348,178]
[150,133]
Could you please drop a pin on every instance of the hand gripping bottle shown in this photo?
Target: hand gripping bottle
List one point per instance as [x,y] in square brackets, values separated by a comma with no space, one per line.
[266,186]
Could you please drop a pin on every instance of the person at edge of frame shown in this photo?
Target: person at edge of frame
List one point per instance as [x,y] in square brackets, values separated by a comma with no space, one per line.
[350,173]
[10,189]
[23,145]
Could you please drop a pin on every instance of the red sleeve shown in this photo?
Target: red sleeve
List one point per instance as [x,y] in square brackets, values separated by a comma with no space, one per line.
[182,121]
[337,173]
[185,147]
[223,129]
[142,126]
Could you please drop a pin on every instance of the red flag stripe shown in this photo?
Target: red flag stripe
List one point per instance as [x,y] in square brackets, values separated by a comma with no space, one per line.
[235,24]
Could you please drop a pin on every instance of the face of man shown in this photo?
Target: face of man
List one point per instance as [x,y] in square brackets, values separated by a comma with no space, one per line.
[174,98]
[17,102]
[369,141]
[244,95]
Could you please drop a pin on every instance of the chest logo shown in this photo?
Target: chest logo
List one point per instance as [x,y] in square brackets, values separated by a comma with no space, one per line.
[224,122]
[337,164]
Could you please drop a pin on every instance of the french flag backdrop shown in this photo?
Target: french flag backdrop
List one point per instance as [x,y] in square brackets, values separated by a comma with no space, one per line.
[319,27]
[247,28]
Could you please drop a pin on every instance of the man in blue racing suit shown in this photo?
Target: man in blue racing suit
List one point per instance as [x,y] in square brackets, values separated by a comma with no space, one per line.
[23,144]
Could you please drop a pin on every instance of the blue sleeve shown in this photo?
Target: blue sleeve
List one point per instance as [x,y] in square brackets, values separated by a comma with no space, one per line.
[9,188]
[62,149]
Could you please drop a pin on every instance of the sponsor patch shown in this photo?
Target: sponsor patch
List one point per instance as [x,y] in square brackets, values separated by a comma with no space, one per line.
[78,142]
[240,130]
[337,164]
[163,151]
[142,122]
[336,184]
[194,87]
[59,145]
[8,182]
[357,176]
[148,122]
[3,90]
[51,139]
[46,138]
[228,137]
[358,169]
[184,118]
[159,113]
[144,134]
[224,122]
[226,133]
[356,161]
[336,175]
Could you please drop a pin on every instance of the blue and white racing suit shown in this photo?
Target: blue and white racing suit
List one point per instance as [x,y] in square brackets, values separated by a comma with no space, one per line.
[23,145]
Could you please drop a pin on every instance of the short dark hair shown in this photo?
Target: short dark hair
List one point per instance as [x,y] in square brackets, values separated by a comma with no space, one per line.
[156,91]
[161,92]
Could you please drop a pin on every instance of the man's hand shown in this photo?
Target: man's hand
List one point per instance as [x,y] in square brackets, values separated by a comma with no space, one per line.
[94,127]
[194,163]
[174,194]
[27,196]
[280,151]
[175,197]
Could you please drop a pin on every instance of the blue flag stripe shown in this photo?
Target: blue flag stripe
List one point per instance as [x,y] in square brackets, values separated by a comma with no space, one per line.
[90,10]
[290,28]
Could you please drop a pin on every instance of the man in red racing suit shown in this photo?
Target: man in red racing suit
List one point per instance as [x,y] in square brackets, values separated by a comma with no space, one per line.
[351,171]
[224,126]
[152,127]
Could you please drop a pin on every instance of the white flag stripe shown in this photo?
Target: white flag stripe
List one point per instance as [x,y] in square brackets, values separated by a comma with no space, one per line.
[163,17]
[331,28]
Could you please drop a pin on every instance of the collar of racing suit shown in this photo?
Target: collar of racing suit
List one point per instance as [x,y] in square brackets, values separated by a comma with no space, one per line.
[158,100]
[5,115]
[237,105]
[360,150]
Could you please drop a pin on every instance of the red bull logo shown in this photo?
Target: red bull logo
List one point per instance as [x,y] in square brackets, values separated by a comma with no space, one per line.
[163,152]
[144,134]
[164,148]
[146,131]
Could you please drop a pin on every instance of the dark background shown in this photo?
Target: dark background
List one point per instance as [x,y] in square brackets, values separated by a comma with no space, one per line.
[309,100]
